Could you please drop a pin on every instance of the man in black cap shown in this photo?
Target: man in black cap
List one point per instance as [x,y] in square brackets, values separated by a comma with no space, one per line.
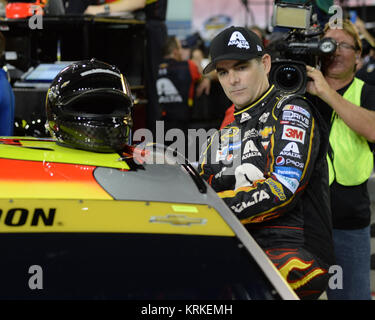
[269,164]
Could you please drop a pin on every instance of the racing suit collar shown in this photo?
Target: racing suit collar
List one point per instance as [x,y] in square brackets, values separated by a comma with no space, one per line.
[244,114]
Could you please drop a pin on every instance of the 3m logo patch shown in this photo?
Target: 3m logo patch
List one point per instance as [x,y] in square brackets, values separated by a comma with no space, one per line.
[294,134]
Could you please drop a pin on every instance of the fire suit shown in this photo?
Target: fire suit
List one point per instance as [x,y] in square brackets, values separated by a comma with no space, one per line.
[269,167]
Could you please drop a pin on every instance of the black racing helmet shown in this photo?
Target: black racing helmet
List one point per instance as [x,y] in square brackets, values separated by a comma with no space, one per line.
[89,106]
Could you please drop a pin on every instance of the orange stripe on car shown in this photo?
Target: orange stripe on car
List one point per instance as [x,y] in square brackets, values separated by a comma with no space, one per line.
[41,179]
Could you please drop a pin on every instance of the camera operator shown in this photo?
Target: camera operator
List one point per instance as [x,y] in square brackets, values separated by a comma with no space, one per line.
[348,106]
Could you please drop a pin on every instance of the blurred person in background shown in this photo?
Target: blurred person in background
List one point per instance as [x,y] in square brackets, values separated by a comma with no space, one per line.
[156,35]
[366,70]
[179,81]
[6,96]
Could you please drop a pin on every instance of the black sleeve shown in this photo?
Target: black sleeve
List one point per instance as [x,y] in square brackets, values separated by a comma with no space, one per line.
[323,108]
[368,97]
[78,6]
[368,102]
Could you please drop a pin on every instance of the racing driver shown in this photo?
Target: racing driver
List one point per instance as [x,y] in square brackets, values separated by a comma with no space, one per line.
[269,164]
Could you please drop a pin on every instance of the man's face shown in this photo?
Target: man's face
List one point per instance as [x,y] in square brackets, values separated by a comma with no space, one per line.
[244,81]
[341,63]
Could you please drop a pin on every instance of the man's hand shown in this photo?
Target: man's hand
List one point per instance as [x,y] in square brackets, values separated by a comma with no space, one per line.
[246,174]
[363,31]
[94,10]
[203,87]
[318,86]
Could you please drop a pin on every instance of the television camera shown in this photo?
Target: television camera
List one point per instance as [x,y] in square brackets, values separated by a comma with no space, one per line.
[298,47]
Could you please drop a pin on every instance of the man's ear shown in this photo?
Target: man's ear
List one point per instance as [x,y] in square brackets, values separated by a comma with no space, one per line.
[266,60]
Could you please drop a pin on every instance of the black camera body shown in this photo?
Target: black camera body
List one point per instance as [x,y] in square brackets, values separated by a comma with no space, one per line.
[298,47]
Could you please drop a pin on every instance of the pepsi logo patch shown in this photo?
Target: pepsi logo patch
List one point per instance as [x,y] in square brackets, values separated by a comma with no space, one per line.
[280,161]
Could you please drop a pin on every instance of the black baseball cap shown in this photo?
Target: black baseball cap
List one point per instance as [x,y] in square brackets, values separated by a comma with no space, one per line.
[234,43]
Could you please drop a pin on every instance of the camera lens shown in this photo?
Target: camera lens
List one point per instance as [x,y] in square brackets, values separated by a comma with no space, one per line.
[288,77]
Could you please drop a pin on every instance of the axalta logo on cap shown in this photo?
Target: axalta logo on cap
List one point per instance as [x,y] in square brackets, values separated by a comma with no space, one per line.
[238,40]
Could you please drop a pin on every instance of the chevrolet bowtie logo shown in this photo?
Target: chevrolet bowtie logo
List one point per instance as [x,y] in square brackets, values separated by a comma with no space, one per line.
[178,220]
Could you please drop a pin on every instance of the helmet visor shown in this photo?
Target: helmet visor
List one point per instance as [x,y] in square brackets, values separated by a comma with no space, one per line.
[97,104]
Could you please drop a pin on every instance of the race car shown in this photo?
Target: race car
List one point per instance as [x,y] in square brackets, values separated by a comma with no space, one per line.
[76,224]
